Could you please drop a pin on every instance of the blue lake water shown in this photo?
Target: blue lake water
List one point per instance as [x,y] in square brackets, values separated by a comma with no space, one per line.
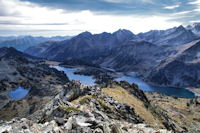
[70,73]
[172,91]
[131,78]
[18,93]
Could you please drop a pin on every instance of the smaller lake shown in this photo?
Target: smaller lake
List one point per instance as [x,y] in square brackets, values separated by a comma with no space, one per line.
[70,74]
[18,93]
[172,91]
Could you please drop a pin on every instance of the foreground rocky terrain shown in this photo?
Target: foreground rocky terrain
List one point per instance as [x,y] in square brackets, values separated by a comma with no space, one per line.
[114,108]
[80,108]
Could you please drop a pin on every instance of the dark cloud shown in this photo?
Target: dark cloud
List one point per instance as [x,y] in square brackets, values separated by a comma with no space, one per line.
[130,7]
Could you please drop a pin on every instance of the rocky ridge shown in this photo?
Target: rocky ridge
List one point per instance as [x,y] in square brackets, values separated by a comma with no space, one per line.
[81,108]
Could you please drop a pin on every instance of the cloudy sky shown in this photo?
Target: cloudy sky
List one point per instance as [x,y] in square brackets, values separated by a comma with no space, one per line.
[70,17]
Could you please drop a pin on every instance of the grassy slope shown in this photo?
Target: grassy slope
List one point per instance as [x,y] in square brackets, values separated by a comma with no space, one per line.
[121,95]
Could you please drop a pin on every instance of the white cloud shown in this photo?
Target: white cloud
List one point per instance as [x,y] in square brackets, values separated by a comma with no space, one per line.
[195,21]
[182,13]
[194,2]
[197,2]
[171,7]
[32,17]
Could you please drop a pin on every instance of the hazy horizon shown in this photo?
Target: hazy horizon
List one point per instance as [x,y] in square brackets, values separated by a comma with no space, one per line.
[63,35]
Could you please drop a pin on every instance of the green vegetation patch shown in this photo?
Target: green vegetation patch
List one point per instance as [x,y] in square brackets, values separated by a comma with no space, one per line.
[156,113]
[84,100]
[103,105]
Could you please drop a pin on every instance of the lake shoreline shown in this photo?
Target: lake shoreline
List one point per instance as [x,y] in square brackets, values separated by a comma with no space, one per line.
[71,74]
[149,87]
[196,91]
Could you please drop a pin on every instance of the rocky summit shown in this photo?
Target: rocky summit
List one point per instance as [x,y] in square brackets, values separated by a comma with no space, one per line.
[90,109]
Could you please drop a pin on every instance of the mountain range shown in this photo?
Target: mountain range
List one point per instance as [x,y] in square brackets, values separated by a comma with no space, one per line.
[150,54]
[23,42]
[174,36]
